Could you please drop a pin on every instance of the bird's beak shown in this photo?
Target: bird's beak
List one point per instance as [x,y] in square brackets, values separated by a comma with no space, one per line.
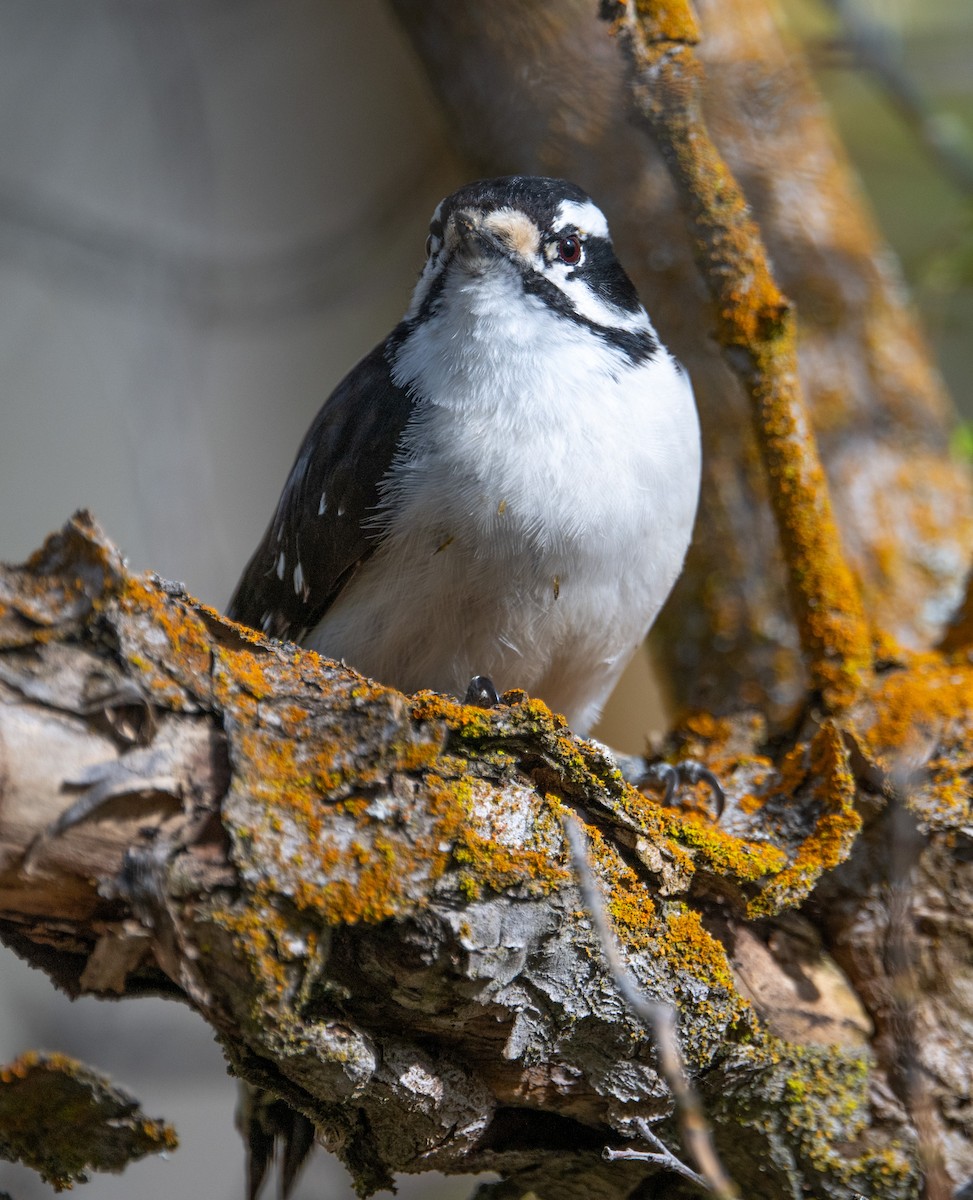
[472,240]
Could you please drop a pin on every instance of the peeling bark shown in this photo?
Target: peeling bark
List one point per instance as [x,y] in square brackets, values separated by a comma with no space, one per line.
[369,898]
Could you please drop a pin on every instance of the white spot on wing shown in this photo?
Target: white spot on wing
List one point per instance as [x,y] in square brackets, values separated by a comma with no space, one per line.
[298,579]
[583,215]
[322,505]
[281,564]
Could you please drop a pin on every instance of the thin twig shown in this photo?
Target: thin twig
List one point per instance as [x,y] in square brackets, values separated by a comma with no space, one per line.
[905,846]
[662,1156]
[660,1020]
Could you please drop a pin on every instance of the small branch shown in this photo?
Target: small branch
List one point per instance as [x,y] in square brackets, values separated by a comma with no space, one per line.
[660,1020]
[63,1120]
[661,1155]
[904,985]
[757,329]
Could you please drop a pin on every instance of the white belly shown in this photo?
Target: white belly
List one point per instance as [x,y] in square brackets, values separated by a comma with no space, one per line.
[534,526]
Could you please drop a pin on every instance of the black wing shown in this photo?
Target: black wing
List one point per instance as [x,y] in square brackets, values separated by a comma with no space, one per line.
[320,533]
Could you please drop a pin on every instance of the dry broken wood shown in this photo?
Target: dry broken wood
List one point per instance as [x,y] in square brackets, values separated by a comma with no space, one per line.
[369,898]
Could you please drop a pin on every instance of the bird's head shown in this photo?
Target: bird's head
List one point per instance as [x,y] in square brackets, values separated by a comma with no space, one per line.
[545,235]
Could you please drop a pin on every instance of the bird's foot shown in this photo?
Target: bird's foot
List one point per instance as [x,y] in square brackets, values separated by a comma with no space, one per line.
[671,776]
[481,692]
[667,776]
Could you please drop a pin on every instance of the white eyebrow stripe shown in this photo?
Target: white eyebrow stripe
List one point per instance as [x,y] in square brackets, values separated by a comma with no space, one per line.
[585,216]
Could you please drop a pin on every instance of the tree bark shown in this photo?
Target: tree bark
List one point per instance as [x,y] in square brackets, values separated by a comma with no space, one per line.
[368,898]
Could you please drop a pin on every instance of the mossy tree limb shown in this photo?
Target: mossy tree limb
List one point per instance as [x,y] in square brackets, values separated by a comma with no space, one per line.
[369,898]
[65,1121]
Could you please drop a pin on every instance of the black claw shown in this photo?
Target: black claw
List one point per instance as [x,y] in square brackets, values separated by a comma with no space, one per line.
[671,776]
[664,775]
[481,692]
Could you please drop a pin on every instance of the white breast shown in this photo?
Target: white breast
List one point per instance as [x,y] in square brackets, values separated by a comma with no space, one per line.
[537,515]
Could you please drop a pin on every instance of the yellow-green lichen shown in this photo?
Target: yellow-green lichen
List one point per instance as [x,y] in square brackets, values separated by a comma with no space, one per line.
[818,1098]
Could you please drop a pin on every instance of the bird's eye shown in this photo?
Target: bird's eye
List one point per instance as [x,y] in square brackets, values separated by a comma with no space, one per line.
[569,249]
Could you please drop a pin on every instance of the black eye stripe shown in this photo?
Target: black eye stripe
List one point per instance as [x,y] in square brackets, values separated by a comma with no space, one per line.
[638,344]
[596,268]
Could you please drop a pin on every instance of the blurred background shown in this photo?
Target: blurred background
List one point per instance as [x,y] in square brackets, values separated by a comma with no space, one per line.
[208,212]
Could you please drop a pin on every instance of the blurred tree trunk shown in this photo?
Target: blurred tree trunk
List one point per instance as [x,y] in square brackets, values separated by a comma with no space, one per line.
[537,88]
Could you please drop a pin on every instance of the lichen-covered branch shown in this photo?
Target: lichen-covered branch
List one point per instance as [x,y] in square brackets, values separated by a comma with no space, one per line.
[64,1120]
[369,898]
[756,326]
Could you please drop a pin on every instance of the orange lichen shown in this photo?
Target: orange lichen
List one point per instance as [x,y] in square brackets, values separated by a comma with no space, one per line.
[707,727]
[185,634]
[690,948]
[248,672]
[833,833]
[255,927]
[432,706]
[347,861]
[690,840]
[627,898]
[729,748]
[756,324]
[922,705]
[632,909]
[669,931]
[33,1060]
[667,22]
